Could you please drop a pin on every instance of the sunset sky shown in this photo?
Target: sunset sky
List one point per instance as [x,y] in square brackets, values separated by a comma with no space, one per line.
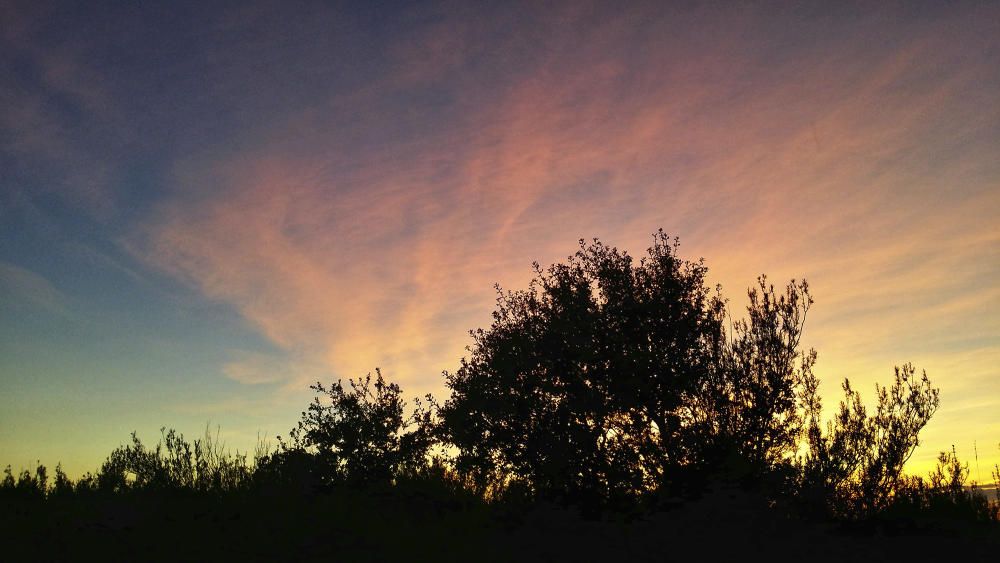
[203,211]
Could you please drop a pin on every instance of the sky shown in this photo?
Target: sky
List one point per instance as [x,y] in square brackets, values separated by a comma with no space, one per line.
[204,209]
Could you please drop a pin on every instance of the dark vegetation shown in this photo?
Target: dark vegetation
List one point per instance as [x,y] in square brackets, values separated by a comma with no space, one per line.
[612,410]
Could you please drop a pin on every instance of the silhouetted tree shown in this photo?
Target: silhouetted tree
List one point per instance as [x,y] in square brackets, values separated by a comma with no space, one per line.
[62,485]
[580,387]
[363,435]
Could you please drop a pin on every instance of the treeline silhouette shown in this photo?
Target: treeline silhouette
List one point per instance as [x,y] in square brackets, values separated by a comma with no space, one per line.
[611,399]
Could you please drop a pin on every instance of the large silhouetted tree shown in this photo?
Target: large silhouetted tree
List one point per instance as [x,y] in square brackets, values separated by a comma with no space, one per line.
[580,386]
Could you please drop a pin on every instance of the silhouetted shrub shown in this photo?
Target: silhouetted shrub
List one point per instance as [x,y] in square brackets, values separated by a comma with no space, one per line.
[856,465]
[943,502]
[175,463]
[996,481]
[27,486]
[751,411]
[363,435]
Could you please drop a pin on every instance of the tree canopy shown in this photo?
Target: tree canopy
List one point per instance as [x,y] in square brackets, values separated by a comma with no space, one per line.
[580,384]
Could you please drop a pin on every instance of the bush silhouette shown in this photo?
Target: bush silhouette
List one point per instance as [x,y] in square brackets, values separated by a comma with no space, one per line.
[945,500]
[363,435]
[753,406]
[173,464]
[857,463]
[27,486]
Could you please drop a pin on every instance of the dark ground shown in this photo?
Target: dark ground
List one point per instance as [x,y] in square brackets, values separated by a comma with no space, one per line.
[356,526]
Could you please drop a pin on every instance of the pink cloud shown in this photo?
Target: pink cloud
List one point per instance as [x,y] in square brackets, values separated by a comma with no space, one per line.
[829,167]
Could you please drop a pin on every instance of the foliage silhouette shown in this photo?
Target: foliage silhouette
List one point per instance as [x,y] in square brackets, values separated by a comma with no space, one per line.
[175,464]
[27,485]
[996,481]
[856,465]
[944,501]
[750,414]
[363,435]
[578,389]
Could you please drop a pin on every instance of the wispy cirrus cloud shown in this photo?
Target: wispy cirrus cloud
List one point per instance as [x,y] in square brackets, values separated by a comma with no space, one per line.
[818,162]
[21,288]
[55,113]
[368,228]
